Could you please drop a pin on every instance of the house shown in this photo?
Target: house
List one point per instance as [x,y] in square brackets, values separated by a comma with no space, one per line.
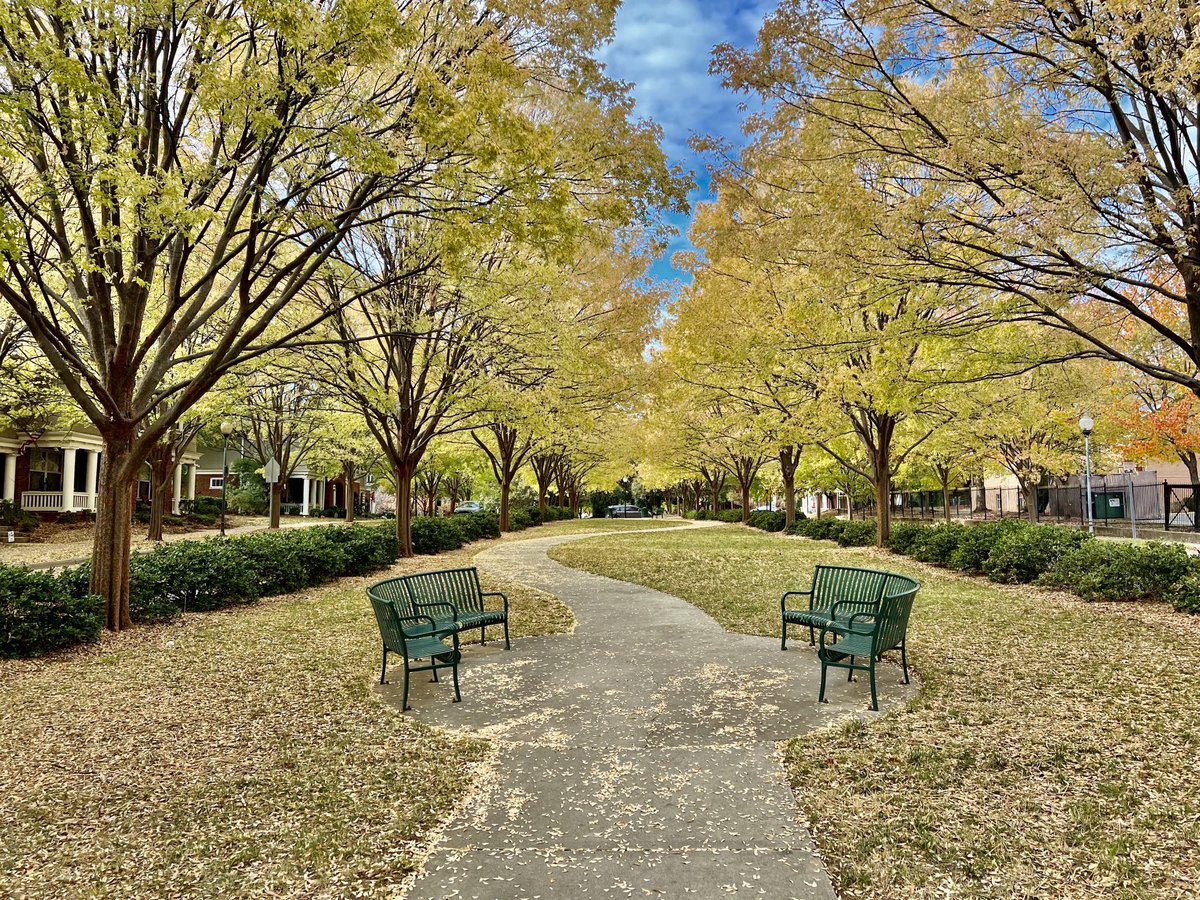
[58,471]
[306,489]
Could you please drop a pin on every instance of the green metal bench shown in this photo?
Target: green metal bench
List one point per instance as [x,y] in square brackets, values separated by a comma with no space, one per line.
[858,589]
[853,634]
[414,638]
[452,598]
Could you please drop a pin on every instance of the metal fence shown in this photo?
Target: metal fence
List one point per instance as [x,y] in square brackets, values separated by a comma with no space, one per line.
[1124,505]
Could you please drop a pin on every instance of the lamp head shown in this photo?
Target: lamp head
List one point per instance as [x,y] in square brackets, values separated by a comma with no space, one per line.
[1086,424]
[227,428]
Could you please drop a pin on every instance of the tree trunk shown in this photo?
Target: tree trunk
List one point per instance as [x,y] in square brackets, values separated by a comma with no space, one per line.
[883,504]
[504,490]
[745,503]
[1029,492]
[161,469]
[403,480]
[114,530]
[946,499]
[276,496]
[348,476]
[789,459]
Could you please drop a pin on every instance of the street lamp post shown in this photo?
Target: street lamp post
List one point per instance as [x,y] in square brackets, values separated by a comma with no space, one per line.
[1132,501]
[226,430]
[1086,424]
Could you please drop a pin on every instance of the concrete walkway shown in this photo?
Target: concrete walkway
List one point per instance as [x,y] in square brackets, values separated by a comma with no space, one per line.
[637,757]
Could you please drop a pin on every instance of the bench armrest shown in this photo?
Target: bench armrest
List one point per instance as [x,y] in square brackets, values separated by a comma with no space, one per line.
[855,619]
[497,594]
[783,599]
[425,619]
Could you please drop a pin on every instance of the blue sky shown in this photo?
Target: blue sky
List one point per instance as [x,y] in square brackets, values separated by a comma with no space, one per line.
[664,48]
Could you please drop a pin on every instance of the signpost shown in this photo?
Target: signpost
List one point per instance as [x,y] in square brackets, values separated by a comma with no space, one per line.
[270,476]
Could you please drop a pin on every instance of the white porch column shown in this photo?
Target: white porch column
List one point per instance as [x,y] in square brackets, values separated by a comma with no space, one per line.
[304,500]
[93,471]
[192,482]
[177,489]
[10,477]
[68,478]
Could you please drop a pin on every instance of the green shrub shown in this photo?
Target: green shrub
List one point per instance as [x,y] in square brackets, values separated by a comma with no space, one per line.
[859,533]
[535,515]
[1184,594]
[1112,570]
[904,537]
[519,520]
[976,542]
[435,534]
[206,506]
[768,521]
[13,518]
[41,612]
[827,529]
[477,526]
[937,544]
[1025,553]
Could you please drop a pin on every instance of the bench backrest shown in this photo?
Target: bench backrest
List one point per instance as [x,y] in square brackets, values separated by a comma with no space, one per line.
[894,611]
[392,591]
[391,629]
[843,584]
[457,586]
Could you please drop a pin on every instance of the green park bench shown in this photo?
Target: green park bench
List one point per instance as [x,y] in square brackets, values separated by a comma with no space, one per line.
[866,635]
[452,598]
[415,637]
[841,600]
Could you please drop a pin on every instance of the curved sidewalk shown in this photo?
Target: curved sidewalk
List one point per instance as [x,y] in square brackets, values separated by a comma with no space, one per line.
[636,756]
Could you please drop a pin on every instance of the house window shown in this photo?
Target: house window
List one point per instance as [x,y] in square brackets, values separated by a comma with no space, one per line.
[45,470]
[143,484]
[216,483]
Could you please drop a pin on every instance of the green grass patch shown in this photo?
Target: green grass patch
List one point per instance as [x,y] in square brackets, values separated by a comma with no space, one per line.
[1051,751]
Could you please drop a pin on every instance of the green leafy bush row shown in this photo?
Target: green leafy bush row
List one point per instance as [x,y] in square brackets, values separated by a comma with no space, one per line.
[40,612]
[857,533]
[768,521]
[1016,552]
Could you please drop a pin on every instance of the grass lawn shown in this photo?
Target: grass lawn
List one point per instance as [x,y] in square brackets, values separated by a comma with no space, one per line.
[1053,750]
[237,753]
[581,526]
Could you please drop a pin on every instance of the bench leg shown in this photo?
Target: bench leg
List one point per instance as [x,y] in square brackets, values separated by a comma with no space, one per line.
[850,672]
[507,642]
[434,678]
[824,670]
[383,671]
[812,637]
[904,659]
[783,638]
[874,698]
[404,704]
[454,672]
[483,635]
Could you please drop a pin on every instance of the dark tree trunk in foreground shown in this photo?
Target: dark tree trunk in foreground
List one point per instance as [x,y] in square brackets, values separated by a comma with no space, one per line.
[114,529]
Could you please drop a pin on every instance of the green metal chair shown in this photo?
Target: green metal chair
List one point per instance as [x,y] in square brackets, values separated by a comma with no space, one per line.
[857,635]
[415,637]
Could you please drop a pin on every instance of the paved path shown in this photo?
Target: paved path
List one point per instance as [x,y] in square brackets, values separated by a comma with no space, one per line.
[637,757]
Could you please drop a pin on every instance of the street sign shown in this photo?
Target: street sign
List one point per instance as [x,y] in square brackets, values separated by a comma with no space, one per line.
[271,472]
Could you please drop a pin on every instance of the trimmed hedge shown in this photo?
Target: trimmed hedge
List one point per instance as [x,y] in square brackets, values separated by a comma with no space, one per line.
[40,612]
[1020,556]
[1108,570]
[768,521]
[1014,551]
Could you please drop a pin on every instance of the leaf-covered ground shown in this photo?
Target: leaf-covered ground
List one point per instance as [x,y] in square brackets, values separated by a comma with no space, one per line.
[1053,750]
[233,754]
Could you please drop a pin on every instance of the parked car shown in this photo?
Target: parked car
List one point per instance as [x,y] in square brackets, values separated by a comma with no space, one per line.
[625,511]
[466,507]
